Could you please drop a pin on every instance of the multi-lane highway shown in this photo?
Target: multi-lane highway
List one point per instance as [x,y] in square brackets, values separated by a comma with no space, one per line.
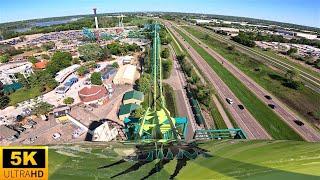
[305,131]
[312,81]
[243,117]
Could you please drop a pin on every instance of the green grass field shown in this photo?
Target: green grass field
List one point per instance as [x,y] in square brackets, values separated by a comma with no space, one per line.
[231,159]
[23,95]
[302,101]
[262,113]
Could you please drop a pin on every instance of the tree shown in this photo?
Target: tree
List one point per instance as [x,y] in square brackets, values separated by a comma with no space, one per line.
[91,52]
[4,101]
[144,83]
[96,78]
[166,68]
[4,58]
[292,51]
[48,45]
[45,56]
[82,70]
[291,74]
[68,100]
[165,53]
[32,59]
[59,61]
[206,37]
[115,65]
[42,108]
[23,81]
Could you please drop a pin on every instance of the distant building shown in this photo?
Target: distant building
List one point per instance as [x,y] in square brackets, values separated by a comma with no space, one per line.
[8,71]
[41,64]
[126,74]
[126,59]
[126,109]
[7,133]
[133,97]
[307,36]
[104,133]
[93,94]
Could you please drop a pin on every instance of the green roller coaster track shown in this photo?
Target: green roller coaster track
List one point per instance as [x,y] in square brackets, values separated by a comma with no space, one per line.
[157,124]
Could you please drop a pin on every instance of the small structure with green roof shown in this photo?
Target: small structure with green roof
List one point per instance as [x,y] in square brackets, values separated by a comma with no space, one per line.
[126,109]
[133,97]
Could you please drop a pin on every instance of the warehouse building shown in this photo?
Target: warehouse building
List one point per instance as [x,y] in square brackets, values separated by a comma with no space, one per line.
[126,74]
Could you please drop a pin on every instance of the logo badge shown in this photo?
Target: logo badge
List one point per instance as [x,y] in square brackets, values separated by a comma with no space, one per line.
[24,163]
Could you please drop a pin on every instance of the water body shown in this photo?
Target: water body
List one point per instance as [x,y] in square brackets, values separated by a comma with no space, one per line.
[45,24]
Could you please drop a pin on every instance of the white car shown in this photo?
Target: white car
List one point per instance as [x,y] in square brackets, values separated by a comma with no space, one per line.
[56,136]
[229,100]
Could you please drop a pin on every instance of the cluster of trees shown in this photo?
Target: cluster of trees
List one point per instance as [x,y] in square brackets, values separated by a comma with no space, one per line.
[118,48]
[44,80]
[200,91]
[42,108]
[165,38]
[93,52]
[165,53]
[48,45]
[96,78]
[68,100]
[7,51]
[8,33]
[166,68]
[244,39]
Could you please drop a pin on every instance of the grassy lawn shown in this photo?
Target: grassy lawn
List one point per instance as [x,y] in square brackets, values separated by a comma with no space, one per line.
[23,95]
[303,101]
[262,113]
[230,160]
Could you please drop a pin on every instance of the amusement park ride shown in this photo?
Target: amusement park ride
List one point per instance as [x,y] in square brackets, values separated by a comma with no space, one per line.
[157,125]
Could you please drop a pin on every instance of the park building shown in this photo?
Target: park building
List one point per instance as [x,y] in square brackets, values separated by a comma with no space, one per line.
[126,109]
[133,97]
[93,94]
[126,74]
[105,132]
[9,71]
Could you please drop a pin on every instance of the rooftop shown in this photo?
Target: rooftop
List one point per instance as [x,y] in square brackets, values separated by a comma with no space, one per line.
[133,95]
[127,108]
[41,64]
[93,93]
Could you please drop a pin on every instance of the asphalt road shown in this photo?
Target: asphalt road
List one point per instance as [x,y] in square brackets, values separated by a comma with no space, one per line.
[243,117]
[312,81]
[288,116]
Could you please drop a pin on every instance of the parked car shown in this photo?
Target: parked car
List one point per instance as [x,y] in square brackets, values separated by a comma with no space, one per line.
[299,123]
[268,97]
[241,106]
[62,89]
[272,106]
[229,100]
[56,136]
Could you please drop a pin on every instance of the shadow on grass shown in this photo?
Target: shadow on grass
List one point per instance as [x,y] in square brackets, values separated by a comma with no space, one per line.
[164,153]
[146,154]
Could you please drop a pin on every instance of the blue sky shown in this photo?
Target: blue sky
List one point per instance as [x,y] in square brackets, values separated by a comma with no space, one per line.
[305,12]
